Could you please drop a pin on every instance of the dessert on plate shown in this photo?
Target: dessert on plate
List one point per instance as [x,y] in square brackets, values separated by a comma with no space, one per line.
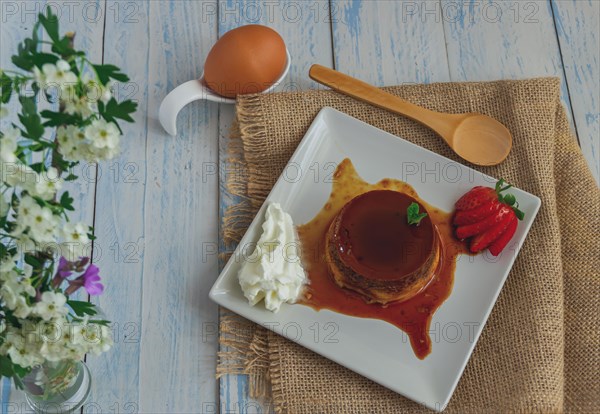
[373,249]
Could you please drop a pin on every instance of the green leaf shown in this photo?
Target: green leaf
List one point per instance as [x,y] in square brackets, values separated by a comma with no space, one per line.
[50,23]
[32,261]
[520,215]
[60,118]
[102,322]
[66,201]
[82,308]
[114,110]
[38,167]
[412,214]
[6,367]
[71,177]
[106,72]
[6,85]
[509,199]
[30,118]
[26,50]
[39,59]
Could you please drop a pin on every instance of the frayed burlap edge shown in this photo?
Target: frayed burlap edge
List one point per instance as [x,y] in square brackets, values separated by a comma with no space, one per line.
[244,350]
[244,345]
[238,216]
[250,114]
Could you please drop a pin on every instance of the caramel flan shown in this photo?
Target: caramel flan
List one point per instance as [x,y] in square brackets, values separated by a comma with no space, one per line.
[372,250]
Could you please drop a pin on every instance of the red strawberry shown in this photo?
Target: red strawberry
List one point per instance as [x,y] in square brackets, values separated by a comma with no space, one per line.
[476,214]
[503,240]
[488,217]
[476,197]
[483,240]
[477,228]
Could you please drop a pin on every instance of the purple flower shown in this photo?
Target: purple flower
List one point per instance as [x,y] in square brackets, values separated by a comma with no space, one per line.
[64,268]
[63,272]
[91,280]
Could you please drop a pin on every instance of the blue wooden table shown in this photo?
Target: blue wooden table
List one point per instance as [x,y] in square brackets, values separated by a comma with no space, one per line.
[157,208]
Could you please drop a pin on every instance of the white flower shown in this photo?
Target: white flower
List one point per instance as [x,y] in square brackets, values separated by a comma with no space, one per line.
[75,240]
[79,105]
[7,264]
[12,293]
[72,143]
[8,144]
[39,222]
[51,306]
[22,309]
[60,75]
[99,141]
[25,211]
[39,76]
[103,134]
[3,112]
[20,175]
[20,353]
[48,184]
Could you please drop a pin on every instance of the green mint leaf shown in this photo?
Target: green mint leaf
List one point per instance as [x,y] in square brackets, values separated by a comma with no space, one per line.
[6,85]
[412,214]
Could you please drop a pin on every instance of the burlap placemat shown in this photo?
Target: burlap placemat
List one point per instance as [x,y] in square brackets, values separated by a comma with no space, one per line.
[540,349]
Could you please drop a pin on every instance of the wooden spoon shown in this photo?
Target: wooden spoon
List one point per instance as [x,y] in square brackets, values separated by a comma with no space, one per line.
[477,138]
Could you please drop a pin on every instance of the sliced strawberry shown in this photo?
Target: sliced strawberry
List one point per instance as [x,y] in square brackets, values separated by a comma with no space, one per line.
[476,214]
[476,197]
[483,240]
[504,238]
[469,230]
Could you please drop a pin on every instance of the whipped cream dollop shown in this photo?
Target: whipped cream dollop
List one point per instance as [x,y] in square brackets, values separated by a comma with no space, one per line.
[273,272]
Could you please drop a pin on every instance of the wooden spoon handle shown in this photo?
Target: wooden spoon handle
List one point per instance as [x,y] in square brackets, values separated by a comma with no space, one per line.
[443,124]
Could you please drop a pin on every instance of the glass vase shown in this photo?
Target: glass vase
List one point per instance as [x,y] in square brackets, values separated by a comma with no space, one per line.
[57,387]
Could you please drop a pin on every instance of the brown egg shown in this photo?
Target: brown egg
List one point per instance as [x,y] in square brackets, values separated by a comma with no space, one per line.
[245,60]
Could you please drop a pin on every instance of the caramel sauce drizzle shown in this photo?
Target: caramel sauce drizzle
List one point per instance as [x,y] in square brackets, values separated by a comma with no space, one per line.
[412,316]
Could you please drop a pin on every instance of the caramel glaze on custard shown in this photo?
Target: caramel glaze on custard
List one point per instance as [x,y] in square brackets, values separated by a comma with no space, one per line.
[371,249]
[371,281]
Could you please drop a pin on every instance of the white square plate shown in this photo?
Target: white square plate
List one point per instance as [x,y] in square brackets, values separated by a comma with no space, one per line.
[370,347]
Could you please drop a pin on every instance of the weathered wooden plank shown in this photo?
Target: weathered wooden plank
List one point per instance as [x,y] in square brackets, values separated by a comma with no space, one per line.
[305,28]
[389,42]
[157,222]
[489,40]
[578,25]
[17,20]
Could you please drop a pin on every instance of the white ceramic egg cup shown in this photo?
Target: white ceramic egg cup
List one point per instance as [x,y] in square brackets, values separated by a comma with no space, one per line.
[194,90]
